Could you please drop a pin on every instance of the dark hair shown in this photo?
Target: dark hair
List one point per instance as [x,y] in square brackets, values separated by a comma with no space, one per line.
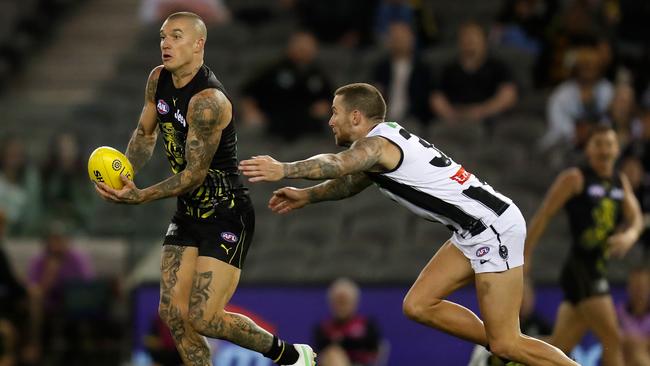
[472,23]
[365,98]
[598,129]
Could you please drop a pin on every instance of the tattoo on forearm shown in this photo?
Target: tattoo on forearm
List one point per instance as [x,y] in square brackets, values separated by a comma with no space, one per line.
[233,327]
[319,167]
[140,148]
[363,155]
[336,189]
[208,115]
[192,346]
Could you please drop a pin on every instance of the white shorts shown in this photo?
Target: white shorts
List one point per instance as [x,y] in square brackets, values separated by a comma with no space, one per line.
[499,247]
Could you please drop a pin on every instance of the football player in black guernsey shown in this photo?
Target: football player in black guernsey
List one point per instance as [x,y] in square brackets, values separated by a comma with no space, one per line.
[209,235]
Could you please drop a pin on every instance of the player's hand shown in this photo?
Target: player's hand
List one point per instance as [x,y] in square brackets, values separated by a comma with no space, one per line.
[287,199]
[619,244]
[262,169]
[129,194]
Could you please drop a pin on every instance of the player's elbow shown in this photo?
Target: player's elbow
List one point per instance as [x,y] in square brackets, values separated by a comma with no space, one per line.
[196,177]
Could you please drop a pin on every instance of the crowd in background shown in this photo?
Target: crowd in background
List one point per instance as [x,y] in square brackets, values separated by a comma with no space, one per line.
[590,59]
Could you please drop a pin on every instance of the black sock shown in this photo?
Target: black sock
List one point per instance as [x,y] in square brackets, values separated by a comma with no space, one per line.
[281,352]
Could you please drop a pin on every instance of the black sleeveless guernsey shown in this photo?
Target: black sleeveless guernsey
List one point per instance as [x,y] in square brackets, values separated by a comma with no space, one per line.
[594,215]
[222,187]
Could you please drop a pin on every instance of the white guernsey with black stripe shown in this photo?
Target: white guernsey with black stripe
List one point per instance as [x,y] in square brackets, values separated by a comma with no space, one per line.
[433,186]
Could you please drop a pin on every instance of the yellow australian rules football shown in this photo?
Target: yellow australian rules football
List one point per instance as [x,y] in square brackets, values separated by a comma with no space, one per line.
[106,164]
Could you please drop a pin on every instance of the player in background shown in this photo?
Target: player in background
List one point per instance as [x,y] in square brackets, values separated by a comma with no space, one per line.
[605,221]
[488,230]
[210,233]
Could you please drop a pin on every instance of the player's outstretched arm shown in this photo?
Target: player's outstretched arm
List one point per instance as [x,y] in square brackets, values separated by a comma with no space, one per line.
[621,242]
[568,184]
[143,139]
[289,198]
[363,155]
[209,112]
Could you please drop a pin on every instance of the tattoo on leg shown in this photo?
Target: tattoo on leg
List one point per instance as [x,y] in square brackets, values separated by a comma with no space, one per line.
[233,327]
[171,263]
[192,346]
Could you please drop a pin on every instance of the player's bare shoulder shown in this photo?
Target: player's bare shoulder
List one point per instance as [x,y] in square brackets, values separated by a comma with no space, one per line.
[372,145]
[210,108]
[571,179]
[152,83]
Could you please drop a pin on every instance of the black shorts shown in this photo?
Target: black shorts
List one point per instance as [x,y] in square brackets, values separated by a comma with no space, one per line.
[226,238]
[580,281]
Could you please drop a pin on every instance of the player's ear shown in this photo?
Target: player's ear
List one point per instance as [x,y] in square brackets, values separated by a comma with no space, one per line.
[199,44]
[356,117]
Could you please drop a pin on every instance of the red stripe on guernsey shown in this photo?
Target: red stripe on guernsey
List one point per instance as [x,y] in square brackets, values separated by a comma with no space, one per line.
[461,176]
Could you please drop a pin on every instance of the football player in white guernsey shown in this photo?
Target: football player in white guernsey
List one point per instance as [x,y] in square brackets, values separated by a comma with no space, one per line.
[488,230]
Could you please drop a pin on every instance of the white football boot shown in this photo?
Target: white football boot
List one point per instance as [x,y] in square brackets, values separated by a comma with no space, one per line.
[306,355]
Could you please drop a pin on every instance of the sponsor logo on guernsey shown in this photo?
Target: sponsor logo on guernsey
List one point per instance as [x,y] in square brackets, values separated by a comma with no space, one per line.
[229,237]
[461,176]
[596,190]
[482,251]
[179,117]
[617,193]
[162,107]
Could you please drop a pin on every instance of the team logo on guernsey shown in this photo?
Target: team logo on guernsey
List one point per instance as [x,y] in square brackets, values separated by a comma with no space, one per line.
[482,251]
[162,107]
[503,252]
[229,237]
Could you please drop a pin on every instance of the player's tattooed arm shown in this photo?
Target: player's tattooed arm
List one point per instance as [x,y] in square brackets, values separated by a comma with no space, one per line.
[143,139]
[339,188]
[209,112]
[363,155]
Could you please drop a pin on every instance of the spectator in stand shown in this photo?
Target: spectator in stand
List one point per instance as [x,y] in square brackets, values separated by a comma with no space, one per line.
[342,22]
[622,113]
[13,303]
[475,87]
[19,188]
[67,196]
[635,163]
[521,24]
[348,330]
[50,272]
[213,12]
[587,95]
[634,317]
[402,76]
[295,79]
[421,15]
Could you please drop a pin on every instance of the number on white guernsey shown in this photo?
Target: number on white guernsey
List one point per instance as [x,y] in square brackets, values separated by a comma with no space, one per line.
[439,161]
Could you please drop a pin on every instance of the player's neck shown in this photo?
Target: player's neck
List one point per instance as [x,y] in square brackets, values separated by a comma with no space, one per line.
[185,74]
[603,171]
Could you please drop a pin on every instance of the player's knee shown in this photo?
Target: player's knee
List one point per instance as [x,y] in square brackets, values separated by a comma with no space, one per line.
[207,324]
[417,310]
[172,315]
[614,338]
[504,348]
